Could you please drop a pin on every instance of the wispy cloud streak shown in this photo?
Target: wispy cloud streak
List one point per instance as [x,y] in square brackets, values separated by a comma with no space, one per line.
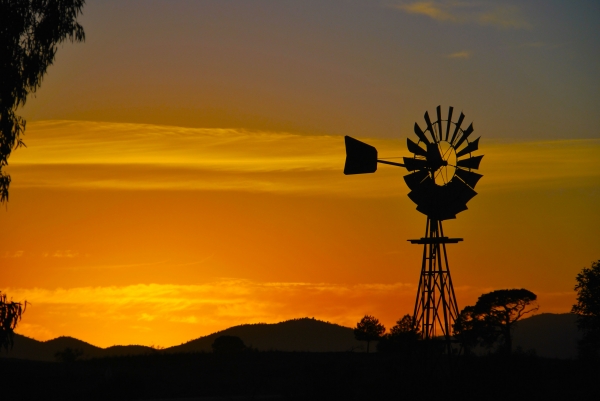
[92,155]
[461,54]
[170,312]
[206,307]
[482,13]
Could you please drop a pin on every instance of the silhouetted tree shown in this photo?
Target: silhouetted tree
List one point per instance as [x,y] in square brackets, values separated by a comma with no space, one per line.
[492,318]
[469,330]
[368,329]
[10,315]
[402,338]
[588,309]
[228,345]
[30,31]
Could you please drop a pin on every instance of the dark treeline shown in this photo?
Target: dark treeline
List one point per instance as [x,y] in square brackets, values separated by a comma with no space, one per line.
[298,375]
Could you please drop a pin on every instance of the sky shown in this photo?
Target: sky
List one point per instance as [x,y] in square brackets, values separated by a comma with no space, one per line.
[183,168]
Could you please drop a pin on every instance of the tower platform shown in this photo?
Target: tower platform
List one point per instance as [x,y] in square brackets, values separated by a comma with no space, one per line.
[435,240]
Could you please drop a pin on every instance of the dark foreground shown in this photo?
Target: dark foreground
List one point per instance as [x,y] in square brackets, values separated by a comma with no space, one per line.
[279,375]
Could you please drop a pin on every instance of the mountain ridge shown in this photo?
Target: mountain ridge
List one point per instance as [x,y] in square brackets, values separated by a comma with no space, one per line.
[550,335]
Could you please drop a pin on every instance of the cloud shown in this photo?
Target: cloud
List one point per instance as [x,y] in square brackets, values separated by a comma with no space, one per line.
[95,155]
[462,54]
[64,254]
[204,307]
[171,313]
[108,156]
[16,254]
[482,13]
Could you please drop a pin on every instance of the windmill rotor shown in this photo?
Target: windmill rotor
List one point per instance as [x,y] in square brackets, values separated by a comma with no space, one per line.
[441,177]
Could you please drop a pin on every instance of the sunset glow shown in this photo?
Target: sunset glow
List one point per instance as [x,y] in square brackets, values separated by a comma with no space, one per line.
[184,174]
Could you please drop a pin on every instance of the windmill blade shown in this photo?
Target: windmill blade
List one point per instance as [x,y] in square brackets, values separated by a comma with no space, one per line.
[453,209]
[472,162]
[471,147]
[445,212]
[426,210]
[465,135]
[420,133]
[429,126]
[457,128]
[470,178]
[360,157]
[413,180]
[414,164]
[414,148]
[458,207]
[439,117]
[449,121]
[422,194]
[459,192]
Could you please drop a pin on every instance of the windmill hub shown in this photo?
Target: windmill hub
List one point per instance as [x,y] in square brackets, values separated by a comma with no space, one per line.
[444,173]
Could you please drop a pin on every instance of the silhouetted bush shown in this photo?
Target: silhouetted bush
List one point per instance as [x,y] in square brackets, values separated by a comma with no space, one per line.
[228,345]
[403,338]
[405,344]
[588,310]
[68,355]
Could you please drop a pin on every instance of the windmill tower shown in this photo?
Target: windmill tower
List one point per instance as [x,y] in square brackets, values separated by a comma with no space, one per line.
[441,182]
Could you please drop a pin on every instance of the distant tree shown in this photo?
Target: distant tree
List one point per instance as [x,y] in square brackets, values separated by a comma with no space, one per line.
[30,31]
[404,326]
[10,315]
[493,317]
[402,338]
[588,309]
[228,345]
[368,329]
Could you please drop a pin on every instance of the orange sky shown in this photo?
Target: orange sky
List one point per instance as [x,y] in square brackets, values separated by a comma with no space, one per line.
[183,169]
[158,234]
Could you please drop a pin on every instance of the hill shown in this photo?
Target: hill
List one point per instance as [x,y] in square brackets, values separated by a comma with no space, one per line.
[293,335]
[28,348]
[550,335]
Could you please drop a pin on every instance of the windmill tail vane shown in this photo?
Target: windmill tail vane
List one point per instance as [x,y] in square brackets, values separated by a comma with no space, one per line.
[442,180]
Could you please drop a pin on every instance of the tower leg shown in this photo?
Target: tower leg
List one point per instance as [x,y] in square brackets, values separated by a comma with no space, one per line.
[435,306]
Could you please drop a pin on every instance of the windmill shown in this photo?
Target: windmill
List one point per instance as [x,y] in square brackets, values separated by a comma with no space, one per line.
[441,182]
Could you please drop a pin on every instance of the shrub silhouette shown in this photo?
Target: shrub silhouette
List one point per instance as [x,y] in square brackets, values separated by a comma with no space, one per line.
[228,345]
[68,355]
[402,339]
[588,310]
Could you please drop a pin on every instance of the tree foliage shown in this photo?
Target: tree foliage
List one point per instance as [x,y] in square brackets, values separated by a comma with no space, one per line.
[30,31]
[10,315]
[401,339]
[588,308]
[404,326]
[368,329]
[492,318]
